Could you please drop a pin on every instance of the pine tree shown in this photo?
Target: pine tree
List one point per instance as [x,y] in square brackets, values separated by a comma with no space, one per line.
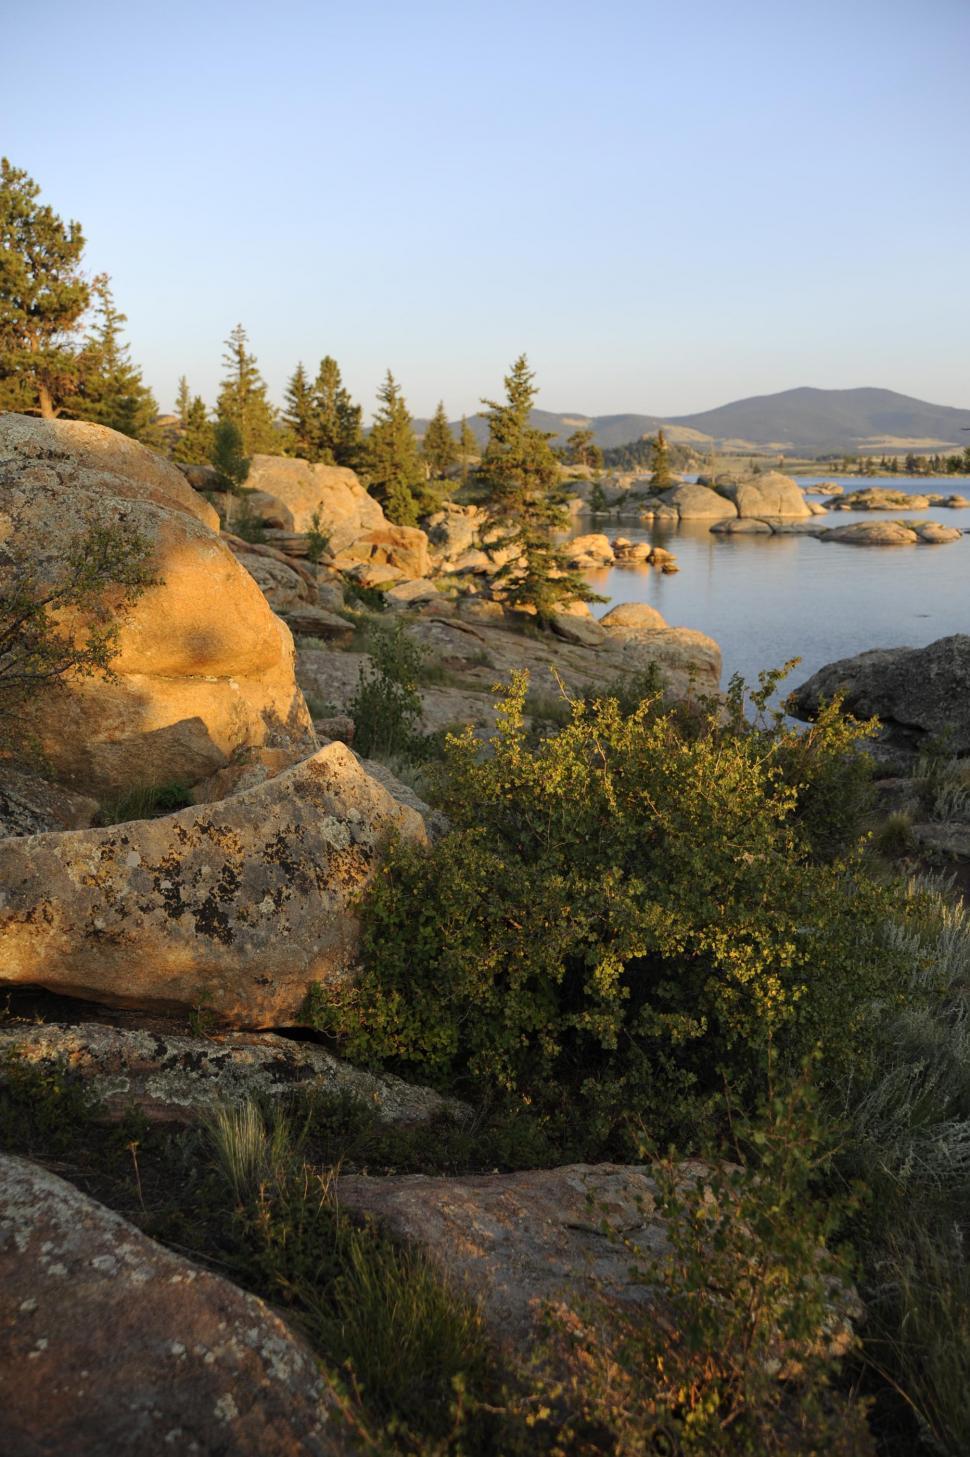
[338,436]
[581,449]
[299,414]
[43,297]
[113,392]
[196,442]
[243,398]
[183,402]
[438,446]
[526,500]
[229,457]
[662,476]
[394,469]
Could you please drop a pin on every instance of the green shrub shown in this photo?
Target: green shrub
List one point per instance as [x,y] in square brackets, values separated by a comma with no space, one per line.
[621,917]
[736,1356]
[386,706]
[92,582]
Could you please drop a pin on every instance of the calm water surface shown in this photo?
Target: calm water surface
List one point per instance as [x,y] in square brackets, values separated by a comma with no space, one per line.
[766,599]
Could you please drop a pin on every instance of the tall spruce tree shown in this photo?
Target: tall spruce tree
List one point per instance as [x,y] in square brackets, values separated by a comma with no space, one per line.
[393,465]
[243,398]
[299,414]
[183,402]
[338,435]
[661,475]
[113,392]
[526,500]
[196,439]
[438,448]
[43,297]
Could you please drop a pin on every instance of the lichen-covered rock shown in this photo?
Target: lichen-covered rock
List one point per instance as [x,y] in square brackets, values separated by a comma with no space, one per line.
[235,906]
[46,450]
[111,1346]
[31,806]
[173,1078]
[914,692]
[203,666]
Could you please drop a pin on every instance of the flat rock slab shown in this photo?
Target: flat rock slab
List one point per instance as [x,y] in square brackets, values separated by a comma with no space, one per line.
[236,906]
[519,1242]
[179,1079]
[111,1346]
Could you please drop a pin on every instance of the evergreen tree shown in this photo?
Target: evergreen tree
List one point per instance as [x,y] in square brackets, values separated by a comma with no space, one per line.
[42,299]
[299,414]
[526,500]
[581,449]
[243,398]
[229,457]
[183,402]
[338,437]
[196,441]
[394,469]
[438,446]
[661,475]
[113,392]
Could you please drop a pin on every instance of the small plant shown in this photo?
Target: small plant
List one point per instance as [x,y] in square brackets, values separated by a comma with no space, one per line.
[317,539]
[247,523]
[145,802]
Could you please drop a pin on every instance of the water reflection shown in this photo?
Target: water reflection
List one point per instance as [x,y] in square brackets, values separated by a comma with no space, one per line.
[766,599]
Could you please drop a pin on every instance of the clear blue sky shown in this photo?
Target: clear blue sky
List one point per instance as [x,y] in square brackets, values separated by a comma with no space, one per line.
[667,205]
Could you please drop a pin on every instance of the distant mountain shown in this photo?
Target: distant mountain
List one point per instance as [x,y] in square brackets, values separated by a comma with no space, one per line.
[794,422]
[816,421]
[607,429]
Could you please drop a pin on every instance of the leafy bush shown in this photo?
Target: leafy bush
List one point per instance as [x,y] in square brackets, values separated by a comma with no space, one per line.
[622,917]
[93,582]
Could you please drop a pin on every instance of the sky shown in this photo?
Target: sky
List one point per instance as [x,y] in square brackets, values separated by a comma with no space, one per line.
[667,206]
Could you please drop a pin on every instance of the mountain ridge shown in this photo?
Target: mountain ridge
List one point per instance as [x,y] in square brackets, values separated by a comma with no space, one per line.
[801,421]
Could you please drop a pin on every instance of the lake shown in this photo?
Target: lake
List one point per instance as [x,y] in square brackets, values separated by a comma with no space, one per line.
[766,599]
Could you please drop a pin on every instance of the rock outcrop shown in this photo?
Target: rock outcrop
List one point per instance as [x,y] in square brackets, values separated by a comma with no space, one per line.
[236,907]
[31,806]
[891,533]
[203,666]
[291,491]
[111,1346]
[565,1238]
[914,692]
[44,452]
[768,495]
[698,503]
[517,1242]
[170,1078]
